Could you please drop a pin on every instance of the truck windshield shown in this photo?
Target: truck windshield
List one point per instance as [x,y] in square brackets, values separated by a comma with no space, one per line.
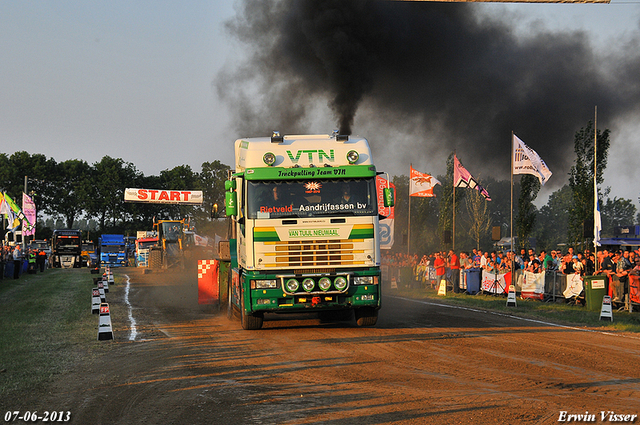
[67,244]
[171,230]
[146,244]
[311,198]
[112,248]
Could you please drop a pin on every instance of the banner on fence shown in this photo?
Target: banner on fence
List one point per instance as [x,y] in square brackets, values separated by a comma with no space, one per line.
[532,285]
[574,286]
[386,226]
[495,283]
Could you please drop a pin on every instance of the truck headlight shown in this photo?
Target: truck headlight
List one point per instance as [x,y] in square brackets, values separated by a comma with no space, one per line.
[324,283]
[365,280]
[269,158]
[308,284]
[292,285]
[264,284]
[340,283]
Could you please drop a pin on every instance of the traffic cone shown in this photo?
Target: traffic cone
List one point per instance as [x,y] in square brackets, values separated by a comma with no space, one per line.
[95,301]
[104,328]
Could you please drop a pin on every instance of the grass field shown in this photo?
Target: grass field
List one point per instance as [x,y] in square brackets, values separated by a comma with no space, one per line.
[46,325]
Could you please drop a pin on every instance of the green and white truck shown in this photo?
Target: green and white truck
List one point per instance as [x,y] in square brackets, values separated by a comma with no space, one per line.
[304,228]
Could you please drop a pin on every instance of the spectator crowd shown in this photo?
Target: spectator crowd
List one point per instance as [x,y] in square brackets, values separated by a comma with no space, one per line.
[14,261]
[618,265]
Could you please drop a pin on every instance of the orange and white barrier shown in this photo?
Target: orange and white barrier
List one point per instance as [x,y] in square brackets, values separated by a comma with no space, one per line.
[208,286]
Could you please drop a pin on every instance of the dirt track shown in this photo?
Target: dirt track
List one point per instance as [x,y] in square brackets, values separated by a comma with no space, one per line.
[422,363]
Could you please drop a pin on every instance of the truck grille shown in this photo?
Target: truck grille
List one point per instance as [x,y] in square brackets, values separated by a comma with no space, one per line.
[315,253]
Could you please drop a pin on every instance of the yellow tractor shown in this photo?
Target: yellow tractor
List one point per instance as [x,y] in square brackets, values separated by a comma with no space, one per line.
[169,252]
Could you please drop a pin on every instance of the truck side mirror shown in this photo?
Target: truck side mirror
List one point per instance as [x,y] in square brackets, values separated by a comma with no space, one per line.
[389,197]
[231,203]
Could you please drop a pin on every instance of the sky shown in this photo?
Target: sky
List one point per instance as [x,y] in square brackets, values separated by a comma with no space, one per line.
[157,84]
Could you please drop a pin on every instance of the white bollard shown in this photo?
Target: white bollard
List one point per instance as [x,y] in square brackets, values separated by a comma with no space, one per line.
[105,285]
[511,298]
[104,328]
[103,298]
[442,290]
[95,301]
[605,311]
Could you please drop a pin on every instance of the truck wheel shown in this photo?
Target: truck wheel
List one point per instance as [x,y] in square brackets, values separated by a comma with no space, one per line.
[155,259]
[249,321]
[366,316]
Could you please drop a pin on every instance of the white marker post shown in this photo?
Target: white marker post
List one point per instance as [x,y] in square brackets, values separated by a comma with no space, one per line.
[95,301]
[606,308]
[105,331]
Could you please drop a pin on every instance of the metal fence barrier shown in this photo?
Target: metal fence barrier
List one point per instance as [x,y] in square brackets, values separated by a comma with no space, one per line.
[626,296]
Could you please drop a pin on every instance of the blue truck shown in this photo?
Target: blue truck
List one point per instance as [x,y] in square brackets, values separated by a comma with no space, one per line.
[113,251]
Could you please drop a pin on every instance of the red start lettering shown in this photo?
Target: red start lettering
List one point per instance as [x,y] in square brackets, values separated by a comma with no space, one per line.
[163,195]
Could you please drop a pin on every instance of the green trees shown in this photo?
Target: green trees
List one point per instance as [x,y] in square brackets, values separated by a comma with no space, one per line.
[69,190]
[553,219]
[616,212]
[581,179]
[109,178]
[525,219]
[74,192]
[479,218]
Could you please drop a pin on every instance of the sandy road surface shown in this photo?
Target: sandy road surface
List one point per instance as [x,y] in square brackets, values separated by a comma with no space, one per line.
[422,363]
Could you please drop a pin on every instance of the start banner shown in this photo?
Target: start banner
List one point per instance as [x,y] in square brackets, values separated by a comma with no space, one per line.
[159,196]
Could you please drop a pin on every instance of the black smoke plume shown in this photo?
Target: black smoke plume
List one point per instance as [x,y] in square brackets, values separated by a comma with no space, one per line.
[425,78]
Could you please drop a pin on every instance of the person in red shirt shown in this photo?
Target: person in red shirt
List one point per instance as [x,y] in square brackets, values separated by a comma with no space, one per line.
[440,265]
[454,265]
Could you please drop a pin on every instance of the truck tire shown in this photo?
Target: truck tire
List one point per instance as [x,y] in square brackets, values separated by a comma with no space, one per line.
[155,259]
[250,322]
[366,316]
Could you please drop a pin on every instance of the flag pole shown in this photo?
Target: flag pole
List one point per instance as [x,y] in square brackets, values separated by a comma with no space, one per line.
[595,184]
[453,232]
[513,248]
[409,214]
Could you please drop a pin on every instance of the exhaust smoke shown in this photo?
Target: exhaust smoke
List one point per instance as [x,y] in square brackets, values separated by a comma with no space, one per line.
[420,79]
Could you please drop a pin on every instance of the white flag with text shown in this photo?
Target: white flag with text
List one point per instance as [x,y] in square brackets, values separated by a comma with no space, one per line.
[527,161]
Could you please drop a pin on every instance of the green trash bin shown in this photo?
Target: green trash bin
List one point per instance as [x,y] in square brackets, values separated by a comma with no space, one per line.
[595,288]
